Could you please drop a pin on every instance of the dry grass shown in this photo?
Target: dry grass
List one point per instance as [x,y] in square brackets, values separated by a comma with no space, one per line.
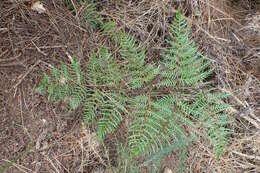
[228,32]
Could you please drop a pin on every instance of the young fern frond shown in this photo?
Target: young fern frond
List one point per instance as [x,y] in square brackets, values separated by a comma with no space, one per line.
[90,107]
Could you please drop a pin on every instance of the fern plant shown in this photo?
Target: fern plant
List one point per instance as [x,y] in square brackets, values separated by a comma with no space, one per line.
[155,101]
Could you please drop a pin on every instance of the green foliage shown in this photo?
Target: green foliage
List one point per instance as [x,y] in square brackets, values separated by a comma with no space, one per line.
[64,84]
[104,70]
[138,73]
[91,15]
[69,5]
[154,125]
[157,101]
[184,65]
[185,71]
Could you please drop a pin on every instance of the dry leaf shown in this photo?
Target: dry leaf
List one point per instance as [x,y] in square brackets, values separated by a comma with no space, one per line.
[38,6]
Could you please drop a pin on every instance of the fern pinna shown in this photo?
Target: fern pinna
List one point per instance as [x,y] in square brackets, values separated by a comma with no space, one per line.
[113,89]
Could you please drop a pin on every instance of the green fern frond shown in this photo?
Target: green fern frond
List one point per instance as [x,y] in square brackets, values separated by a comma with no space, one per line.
[185,70]
[104,106]
[78,95]
[91,15]
[183,64]
[90,106]
[103,70]
[105,110]
[150,130]
[110,110]
[109,29]
[134,58]
[137,72]
[64,84]
[211,115]
[111,117]
[76,72]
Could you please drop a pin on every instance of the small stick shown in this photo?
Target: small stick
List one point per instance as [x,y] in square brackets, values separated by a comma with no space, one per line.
[3,29]
[247,156]
[22,78]
[38,49]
